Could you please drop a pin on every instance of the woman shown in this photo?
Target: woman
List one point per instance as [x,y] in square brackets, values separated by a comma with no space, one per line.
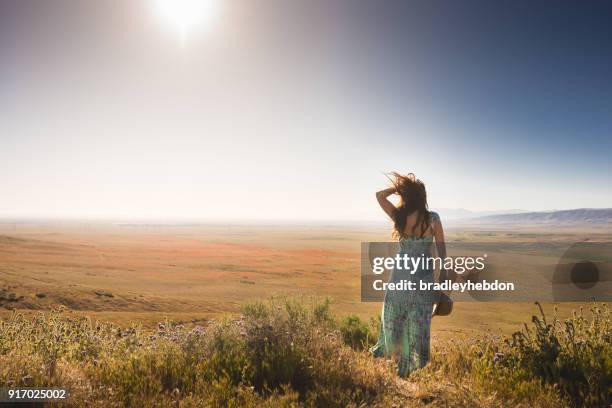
[406,314]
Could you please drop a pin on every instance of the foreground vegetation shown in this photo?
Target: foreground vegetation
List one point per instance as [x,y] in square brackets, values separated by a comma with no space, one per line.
[288,352]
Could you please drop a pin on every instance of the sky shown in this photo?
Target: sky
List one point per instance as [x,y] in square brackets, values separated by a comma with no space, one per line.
[276,109]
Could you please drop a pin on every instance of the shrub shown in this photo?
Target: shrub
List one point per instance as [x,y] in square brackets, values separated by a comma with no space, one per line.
[547,364]
[574,355]
[290,343]
[357,334]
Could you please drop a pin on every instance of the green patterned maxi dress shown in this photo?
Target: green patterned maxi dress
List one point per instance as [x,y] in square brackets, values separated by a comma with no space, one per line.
[406,314]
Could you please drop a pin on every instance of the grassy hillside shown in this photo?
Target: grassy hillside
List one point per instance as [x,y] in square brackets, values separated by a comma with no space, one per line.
[288,352]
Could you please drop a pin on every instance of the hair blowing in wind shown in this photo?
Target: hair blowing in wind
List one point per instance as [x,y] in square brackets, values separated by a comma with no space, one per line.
[413,197]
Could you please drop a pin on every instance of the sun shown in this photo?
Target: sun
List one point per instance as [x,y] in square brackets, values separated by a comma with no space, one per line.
[187,15]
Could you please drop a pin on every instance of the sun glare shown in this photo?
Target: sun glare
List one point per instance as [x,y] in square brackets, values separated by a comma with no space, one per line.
[186,15]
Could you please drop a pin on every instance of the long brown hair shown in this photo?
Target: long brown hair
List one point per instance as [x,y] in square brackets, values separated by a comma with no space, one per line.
[413,197]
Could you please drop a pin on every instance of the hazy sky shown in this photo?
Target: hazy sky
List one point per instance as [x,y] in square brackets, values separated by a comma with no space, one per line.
[294,109]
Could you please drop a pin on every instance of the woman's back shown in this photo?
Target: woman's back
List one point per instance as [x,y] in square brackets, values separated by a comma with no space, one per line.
[418,228]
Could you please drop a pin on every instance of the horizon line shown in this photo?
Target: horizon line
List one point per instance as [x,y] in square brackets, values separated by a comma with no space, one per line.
[173,220]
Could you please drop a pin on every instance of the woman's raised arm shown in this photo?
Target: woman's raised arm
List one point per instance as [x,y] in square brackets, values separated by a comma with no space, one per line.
[384,202]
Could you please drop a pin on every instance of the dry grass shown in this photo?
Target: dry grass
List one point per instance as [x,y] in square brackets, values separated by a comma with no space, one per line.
[288,352]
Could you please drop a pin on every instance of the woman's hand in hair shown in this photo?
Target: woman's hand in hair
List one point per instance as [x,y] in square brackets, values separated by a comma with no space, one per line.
[385,204]
[386,192]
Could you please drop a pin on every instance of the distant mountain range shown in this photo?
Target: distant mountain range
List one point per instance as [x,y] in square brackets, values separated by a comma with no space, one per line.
[462,213]
[577,216]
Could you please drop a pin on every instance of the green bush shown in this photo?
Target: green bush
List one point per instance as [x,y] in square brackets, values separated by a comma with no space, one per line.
[574,355]
[552,363]
[294,344]
[357,334]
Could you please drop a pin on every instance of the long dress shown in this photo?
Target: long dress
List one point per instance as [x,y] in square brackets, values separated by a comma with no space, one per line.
[406,314]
